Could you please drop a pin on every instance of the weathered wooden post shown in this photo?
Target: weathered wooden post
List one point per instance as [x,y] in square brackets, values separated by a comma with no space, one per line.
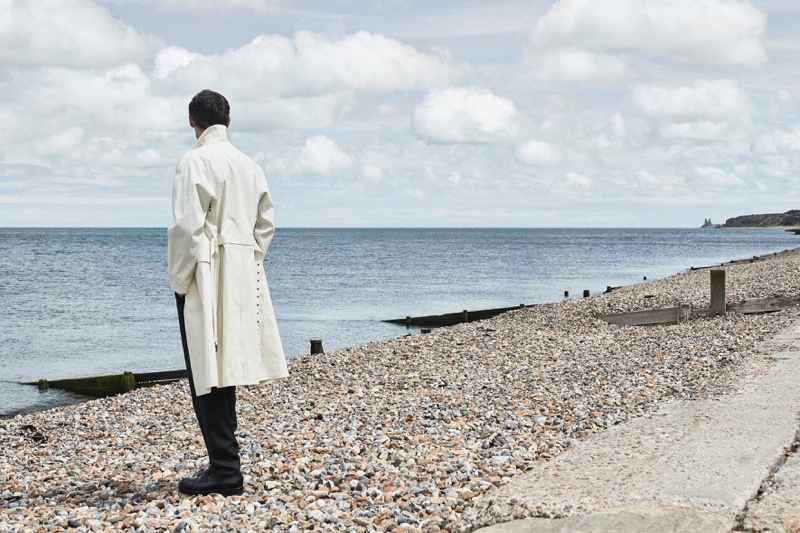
[128,382]
[425,330]
[566,294]
[586,293]
[466,315]
[43,385]
[717,307]
[684,313]
[316,346]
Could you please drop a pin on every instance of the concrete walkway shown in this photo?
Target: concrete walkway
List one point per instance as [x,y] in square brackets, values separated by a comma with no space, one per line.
[691,466]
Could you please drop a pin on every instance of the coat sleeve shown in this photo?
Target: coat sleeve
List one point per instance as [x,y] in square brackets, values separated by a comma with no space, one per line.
[185,235]
[265,224]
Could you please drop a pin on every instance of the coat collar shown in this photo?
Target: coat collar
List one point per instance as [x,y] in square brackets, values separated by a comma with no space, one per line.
[216,133]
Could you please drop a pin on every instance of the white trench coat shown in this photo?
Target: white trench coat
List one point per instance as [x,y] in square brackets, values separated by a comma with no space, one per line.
[216,244]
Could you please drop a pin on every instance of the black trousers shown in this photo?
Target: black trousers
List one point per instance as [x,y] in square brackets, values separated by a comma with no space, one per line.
[216,415]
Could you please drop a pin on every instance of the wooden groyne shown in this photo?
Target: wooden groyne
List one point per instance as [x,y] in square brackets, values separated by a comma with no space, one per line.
[682,313]
[110,385]
[755,258]
[718,307]
[100,386]
[649,317]
[451,319]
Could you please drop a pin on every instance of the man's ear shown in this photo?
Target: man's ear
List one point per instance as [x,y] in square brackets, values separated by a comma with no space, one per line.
[191,122]
[228,123]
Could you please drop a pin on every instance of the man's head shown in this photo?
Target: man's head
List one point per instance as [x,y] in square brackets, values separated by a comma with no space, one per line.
[208,108]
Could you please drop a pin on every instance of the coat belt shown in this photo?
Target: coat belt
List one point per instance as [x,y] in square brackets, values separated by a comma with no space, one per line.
[210,256]
[243,239]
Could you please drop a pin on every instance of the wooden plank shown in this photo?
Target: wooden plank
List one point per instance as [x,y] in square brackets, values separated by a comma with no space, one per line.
[112,384]
[717,307]
[451,319]
[93,386]
[147,378]
[765,305]
[649,317]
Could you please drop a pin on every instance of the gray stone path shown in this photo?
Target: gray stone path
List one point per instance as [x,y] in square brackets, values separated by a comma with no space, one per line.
[689,466]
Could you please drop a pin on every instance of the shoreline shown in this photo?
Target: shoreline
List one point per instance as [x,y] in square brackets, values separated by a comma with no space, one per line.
[92,342]
[405,434]
[746,260]
[66,399]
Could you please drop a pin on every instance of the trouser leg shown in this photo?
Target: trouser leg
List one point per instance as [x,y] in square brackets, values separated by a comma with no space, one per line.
[216,415]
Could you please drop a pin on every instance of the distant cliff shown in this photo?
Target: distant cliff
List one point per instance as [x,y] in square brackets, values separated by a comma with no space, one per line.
[789,218]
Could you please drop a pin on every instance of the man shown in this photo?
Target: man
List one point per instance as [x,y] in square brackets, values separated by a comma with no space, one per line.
[223,225]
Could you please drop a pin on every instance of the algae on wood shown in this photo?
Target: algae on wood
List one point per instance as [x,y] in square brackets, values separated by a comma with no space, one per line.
[111,384]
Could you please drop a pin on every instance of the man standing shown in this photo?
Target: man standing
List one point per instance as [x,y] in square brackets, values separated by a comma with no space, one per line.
[216,244]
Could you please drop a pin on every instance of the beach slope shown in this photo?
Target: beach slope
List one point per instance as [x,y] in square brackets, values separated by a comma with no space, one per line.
[438,432]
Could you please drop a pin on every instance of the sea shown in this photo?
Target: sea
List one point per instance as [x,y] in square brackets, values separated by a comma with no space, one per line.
[87,302]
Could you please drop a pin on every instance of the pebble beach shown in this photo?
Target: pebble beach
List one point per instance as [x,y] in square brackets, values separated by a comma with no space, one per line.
[402,435]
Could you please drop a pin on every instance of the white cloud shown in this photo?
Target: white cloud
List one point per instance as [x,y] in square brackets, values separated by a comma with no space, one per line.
[371,174]
[572,183]
[576,180]
[782,102]
[713,100]
[318,157]
[777,170]
[298,112]
[93,106]
[310,64]
[705,110]
[171,58]
[304,82]
[83,121]
[67,33]
[538,153]
[723,31]
[647,184]
[713,179]
[321,156]
[75,91]
[577,66]
[778,142]
[465,115]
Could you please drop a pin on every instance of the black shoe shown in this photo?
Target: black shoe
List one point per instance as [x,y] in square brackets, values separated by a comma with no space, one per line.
[210,483]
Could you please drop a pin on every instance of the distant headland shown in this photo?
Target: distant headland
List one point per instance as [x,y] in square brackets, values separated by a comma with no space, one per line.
[789,218]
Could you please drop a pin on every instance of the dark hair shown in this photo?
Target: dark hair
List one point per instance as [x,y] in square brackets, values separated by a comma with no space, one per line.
[208,108]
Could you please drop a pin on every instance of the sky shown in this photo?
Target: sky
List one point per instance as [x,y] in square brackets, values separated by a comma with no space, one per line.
[404,113]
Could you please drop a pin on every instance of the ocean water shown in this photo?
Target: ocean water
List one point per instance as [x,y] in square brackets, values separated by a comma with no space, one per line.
[85,302]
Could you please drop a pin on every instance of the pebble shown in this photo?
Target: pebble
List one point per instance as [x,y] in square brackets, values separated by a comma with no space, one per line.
[399,435]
